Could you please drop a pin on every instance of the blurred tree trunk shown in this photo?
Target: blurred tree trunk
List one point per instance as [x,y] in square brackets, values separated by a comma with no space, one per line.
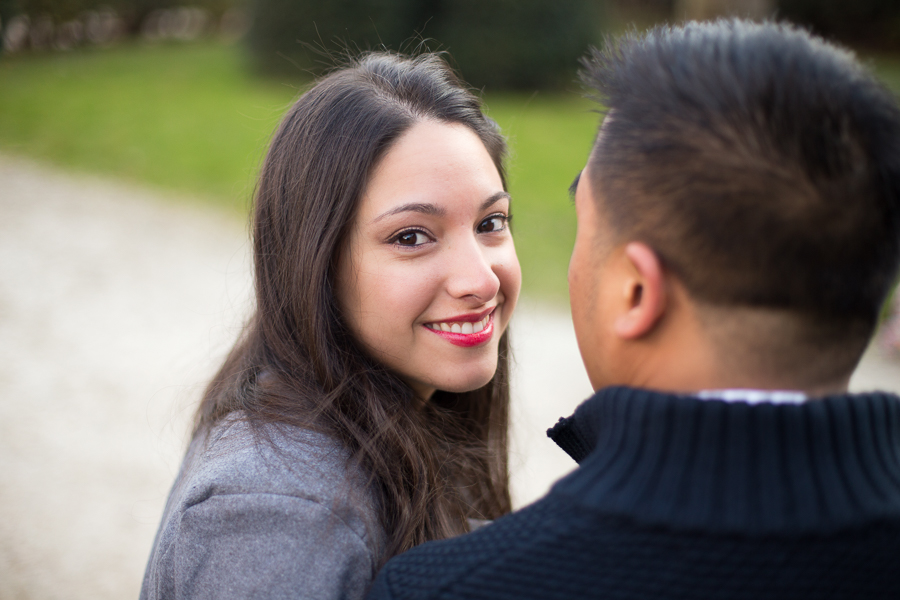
[7,10]
[710,9]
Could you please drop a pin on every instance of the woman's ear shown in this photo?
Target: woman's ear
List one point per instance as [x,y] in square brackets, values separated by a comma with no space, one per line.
[644,290]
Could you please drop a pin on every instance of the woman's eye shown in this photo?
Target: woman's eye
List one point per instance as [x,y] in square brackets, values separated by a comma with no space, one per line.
[493,223]
[411,238]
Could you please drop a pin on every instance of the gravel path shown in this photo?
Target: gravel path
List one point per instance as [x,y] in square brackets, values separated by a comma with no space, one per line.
[116,304]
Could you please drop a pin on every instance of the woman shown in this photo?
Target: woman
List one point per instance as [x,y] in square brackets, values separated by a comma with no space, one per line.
[364,410]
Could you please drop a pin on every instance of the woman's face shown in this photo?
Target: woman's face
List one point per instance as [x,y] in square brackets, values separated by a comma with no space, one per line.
[429,277]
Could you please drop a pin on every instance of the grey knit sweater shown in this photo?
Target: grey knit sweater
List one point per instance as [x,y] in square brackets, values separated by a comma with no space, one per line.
[280,517]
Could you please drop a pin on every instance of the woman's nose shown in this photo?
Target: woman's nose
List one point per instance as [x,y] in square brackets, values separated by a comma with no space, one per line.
[472,273]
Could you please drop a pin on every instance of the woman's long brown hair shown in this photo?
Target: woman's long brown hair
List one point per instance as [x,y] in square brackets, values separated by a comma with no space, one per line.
[432,466]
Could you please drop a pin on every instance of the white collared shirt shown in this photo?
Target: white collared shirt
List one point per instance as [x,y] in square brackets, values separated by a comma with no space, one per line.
[754,396]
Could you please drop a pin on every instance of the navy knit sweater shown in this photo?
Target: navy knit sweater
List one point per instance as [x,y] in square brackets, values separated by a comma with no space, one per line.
[683,498]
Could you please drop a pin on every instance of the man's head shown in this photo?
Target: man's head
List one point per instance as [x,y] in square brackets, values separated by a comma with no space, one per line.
[740,209]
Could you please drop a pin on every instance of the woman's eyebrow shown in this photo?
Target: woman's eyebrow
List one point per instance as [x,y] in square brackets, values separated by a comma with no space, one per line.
[434,210]
[419,207]
[494,199]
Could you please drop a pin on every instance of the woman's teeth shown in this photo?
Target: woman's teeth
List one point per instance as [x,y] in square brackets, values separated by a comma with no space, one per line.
[464,328]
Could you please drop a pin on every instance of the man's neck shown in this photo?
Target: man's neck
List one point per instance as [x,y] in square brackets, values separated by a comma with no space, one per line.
[697,372]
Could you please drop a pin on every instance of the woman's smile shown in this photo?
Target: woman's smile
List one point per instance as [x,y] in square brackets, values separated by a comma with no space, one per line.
[466,330]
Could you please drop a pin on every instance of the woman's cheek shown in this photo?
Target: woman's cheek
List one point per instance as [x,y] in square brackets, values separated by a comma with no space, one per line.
[510,274]
[408,289]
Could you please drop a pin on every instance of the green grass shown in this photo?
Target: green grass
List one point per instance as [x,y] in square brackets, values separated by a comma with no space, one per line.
[190,118]
[186,118]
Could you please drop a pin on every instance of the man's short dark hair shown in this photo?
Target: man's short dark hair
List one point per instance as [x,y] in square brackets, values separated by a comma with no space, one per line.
[761,163]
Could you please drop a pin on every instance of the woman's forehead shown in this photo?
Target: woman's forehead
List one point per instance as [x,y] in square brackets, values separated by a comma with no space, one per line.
[433,164]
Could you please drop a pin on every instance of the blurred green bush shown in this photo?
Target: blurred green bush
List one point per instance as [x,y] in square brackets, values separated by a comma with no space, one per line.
[496,44]
[287,35]
[64,10]
[874,24]
[518,44]
[130,14]
[863,24]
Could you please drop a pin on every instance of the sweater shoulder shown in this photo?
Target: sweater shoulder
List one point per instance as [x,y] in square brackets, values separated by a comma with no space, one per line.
[236,458]
[248,494]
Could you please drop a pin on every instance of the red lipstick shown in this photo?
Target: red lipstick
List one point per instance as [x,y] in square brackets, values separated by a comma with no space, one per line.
[468,340]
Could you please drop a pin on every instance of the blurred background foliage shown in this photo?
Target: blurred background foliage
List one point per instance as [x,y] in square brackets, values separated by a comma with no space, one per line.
[872,24]
[185,96]
[508,44]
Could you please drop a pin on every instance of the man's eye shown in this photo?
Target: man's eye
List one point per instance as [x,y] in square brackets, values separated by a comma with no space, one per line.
[493,223]
[411,238]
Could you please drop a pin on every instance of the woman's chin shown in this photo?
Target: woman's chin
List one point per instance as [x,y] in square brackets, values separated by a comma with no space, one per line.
[467,384]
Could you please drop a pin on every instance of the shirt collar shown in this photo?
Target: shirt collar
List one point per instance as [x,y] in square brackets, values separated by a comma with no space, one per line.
[751,396]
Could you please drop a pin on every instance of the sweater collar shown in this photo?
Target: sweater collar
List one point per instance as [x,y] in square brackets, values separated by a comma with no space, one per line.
[678,461]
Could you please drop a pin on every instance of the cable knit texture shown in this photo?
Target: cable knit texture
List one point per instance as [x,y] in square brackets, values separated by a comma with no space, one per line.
[681,498]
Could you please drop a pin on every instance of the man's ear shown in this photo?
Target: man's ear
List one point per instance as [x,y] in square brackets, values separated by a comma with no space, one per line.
[644,290]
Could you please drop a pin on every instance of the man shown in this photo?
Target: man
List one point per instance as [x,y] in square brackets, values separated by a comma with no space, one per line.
[738,232]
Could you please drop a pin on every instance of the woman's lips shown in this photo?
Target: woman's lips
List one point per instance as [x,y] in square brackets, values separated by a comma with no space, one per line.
[465,333]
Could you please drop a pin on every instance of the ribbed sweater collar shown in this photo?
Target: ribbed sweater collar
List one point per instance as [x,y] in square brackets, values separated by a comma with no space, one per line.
[680,462]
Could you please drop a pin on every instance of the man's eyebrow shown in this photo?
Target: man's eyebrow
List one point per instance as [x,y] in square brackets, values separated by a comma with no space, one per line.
[574,186]
[419,207]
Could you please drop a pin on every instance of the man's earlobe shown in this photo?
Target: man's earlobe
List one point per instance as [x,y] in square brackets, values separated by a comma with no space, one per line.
[645,292]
